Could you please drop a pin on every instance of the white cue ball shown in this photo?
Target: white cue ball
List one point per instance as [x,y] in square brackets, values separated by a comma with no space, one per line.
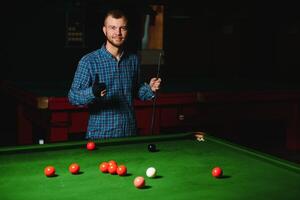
[151,172]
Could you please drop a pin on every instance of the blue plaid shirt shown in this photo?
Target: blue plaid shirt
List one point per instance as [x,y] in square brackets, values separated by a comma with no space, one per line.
[111,115]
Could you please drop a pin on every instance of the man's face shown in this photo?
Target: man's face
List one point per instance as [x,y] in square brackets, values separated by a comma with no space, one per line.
[115,30]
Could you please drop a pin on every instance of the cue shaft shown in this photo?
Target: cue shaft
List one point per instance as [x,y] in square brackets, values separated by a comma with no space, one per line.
[159,63]
[154,99]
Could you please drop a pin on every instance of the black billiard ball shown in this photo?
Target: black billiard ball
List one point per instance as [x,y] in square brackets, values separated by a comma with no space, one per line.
[151,147]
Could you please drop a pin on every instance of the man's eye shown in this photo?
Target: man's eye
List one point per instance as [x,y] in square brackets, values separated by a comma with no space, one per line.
[114,28]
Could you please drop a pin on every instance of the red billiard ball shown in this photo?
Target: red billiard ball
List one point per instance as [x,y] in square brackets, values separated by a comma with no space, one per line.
[74,168]
[103,167]
[217,172]
[139,182]
[49,171]
[91,146]
[112,169]
[121,170]
[112,162]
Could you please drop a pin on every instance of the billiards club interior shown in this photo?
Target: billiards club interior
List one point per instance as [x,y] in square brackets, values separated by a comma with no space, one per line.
[228,68]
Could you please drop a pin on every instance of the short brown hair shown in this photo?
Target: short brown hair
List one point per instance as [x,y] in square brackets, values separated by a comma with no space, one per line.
[116,13]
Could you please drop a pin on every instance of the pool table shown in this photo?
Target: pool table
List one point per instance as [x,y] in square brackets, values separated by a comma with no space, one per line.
[183,165]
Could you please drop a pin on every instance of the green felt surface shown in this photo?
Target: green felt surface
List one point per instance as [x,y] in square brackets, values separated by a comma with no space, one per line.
[184,171]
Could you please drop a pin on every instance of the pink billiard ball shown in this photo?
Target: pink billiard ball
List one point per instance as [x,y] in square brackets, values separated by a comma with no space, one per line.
[139,182]
[217,172]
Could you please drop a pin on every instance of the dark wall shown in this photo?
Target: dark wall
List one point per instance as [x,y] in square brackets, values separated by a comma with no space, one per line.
[253,39]
[33,36]
[233,39]
[34,40]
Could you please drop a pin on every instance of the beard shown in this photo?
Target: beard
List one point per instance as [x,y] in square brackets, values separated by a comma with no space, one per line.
[119,43]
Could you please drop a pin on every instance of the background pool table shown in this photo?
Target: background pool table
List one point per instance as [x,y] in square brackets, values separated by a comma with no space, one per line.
[184,170]
[222,107]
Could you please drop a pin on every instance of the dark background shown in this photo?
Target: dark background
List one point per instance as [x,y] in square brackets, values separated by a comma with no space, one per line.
[224,40]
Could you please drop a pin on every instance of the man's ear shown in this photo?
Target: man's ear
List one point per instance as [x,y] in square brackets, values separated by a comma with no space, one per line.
[104,30]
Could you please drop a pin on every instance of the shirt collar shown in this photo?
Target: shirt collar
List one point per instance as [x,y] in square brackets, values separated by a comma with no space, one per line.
[104,51]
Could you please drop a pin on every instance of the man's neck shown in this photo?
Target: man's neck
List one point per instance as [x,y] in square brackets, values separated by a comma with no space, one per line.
[115,51]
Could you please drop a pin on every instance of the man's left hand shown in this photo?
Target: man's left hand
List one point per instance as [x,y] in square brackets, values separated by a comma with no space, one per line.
[155,84]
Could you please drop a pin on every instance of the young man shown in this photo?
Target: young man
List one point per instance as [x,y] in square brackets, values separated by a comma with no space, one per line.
[107,81]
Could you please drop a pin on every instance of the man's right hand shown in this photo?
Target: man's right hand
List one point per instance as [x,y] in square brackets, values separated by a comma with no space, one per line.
[99,89]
